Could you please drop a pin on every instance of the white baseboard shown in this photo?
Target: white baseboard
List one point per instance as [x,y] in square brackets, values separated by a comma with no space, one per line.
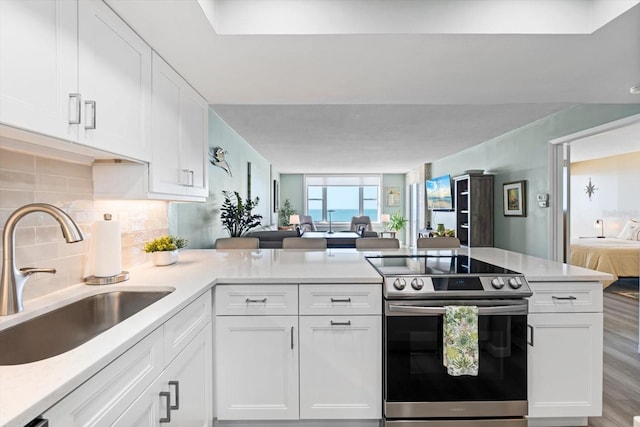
[558,422]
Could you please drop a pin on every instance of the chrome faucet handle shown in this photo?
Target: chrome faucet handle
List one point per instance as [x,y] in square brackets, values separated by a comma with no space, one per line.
[28,271]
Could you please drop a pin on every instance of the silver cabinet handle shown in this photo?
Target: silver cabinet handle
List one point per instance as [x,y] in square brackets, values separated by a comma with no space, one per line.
[38,422]
[249,300]
[347,323]
[569,298]
[167,418]
[292,338]
[74,108]
[189,175]
[91,116]
[341,299]
[177,386]
[530,342]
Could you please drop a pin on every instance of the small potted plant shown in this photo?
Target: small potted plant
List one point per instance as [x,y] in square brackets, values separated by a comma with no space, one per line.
[397,222]
[164,249]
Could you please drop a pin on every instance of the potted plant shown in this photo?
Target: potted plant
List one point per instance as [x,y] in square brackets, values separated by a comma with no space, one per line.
[164,249]
[285,213]
[236,214]
[397,222]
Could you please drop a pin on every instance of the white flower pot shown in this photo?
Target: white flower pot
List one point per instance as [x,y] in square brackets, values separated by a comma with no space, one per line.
[164,257]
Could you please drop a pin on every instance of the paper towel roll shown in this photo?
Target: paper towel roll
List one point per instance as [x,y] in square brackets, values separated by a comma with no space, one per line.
[108,247]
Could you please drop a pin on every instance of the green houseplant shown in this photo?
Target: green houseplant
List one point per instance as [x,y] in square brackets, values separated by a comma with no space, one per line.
[164,249]
[285,213]
[236,214]
[397,222]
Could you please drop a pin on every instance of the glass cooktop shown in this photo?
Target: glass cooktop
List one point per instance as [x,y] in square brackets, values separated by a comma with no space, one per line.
[431,265]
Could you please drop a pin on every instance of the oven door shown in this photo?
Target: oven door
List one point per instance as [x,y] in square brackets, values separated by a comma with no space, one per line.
[417,384]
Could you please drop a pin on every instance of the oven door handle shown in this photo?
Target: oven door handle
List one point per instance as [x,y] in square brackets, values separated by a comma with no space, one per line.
[482,311]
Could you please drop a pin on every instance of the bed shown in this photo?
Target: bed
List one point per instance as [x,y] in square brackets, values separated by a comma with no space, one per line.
[619,257]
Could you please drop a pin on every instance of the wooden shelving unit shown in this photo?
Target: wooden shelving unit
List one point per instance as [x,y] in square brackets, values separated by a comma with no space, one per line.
[474,209]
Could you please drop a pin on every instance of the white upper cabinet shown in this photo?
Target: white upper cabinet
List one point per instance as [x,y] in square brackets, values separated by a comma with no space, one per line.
[179,135]
[75,71]
[115,82]
[39,66]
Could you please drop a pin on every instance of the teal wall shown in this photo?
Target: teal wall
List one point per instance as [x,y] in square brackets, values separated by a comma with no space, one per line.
[200,222]
[522,154]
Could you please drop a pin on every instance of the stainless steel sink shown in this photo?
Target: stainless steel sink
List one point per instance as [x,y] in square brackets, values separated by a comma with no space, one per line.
[69,326]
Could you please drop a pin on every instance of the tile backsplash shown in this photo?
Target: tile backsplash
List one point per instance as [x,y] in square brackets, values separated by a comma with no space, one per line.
[26,178]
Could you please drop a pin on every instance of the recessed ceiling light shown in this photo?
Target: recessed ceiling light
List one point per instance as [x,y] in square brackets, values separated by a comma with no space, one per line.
[635,90]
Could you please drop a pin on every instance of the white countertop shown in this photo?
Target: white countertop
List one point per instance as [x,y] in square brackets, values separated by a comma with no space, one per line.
[28,390]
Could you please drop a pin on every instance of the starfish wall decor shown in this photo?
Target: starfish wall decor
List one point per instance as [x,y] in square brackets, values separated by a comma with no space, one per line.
[590,189]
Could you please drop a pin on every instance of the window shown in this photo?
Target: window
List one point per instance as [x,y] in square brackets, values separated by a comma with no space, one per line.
[342,197]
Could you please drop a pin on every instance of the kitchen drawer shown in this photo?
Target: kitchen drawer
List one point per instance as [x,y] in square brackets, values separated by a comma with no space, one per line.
[256,300]
[566,297]
[340,299]
[185,325]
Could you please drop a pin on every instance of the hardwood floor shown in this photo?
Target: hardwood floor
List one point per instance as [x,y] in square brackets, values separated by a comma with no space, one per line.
[621,363]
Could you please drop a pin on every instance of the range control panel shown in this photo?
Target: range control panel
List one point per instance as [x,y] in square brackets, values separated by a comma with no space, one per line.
[456,286]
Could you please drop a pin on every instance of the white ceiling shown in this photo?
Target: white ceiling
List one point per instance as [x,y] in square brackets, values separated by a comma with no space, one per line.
[386,102]
[610,143]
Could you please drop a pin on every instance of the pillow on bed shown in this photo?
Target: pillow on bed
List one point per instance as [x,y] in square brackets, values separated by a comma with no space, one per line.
[626,230]
[634,232]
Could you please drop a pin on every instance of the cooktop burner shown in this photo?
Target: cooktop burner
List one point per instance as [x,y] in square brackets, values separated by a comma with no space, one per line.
[434,265]
[446,276]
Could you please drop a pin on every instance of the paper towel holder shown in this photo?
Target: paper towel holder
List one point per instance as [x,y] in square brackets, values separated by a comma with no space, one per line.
[110,280]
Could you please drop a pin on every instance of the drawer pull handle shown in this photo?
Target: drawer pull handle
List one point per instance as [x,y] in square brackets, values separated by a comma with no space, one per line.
[347,323]
[167,396]
[249,300]
[292,338]
[530,342]
[569,298]
[341,299]
[177,385]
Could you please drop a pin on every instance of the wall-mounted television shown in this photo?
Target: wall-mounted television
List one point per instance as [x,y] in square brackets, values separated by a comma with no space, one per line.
[439,193]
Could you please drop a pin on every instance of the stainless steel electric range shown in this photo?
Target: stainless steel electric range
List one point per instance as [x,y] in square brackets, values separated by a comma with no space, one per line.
[418,390]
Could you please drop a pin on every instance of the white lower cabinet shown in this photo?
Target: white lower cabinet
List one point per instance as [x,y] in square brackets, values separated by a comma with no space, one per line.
[182,395]
[127,392]
[257,367]
[340,367]
[565,351]
[319,359]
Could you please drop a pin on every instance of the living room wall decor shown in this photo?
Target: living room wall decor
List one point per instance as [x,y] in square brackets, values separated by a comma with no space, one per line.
[216,158]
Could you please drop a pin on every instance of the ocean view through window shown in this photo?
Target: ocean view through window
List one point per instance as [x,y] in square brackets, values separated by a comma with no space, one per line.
[347,196]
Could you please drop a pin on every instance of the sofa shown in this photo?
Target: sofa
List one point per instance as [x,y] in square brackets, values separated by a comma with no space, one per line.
[272,239]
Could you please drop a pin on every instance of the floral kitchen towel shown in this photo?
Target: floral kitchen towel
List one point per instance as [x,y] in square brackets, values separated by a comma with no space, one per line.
[460,340]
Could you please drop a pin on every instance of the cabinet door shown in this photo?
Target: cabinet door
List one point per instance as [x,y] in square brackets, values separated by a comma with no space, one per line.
[179,134]
[146,410]
[39,66]
[194,120]
[565,365]
[105,396]
[189,380]
[340,367]
[115,73]
[256,367]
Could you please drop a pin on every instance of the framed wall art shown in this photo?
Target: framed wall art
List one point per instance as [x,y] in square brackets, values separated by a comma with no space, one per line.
[514,198]
[392,196]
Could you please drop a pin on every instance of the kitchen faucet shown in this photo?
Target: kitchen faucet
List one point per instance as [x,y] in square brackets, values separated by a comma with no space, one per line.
[13,280]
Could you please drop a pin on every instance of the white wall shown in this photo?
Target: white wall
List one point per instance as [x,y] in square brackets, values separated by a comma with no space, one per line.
[616,199]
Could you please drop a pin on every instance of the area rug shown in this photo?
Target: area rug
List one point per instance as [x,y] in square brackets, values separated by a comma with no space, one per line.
[626,287]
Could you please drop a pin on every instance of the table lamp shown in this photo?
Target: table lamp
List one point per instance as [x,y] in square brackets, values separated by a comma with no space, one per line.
[599,225]
[384,219]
